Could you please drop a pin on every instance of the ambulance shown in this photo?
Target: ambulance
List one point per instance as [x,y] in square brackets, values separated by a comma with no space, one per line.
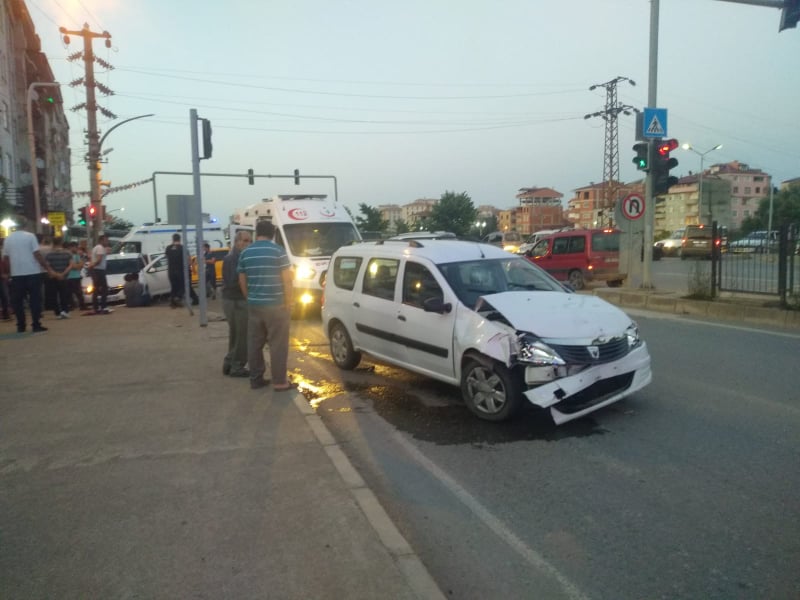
[310,227]
[152,239]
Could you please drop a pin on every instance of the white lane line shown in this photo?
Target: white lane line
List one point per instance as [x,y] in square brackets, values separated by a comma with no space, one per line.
[686,319]
[493,523]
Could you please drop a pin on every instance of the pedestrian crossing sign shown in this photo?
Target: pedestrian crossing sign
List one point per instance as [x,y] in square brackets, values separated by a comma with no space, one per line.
[654,124]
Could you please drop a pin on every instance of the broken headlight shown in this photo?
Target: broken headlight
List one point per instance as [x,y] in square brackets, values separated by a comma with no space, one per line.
[535,352]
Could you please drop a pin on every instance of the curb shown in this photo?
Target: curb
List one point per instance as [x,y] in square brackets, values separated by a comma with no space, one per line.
[409,564]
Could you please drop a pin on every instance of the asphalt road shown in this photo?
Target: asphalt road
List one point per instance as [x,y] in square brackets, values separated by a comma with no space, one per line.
[687,490]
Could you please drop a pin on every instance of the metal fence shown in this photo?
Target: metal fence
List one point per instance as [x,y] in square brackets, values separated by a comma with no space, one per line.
[767,265]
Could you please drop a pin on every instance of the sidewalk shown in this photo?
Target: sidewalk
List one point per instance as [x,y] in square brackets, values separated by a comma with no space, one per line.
[739,309]
[130,467]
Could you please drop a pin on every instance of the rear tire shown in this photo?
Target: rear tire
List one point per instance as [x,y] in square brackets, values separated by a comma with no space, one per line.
[490,390]
[575,279]
[342,348]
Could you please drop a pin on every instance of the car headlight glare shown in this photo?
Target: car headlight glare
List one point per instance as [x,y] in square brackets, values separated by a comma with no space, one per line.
[632,333]
[304,273]
[534,351]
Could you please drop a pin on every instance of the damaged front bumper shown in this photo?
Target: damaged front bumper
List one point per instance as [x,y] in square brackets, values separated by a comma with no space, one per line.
[577,395]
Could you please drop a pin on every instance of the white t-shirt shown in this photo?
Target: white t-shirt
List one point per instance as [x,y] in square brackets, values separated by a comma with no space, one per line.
[97,252]
[19,248]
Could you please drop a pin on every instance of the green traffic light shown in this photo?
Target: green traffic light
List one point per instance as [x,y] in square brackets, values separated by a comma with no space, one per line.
[81,222]
[50,99]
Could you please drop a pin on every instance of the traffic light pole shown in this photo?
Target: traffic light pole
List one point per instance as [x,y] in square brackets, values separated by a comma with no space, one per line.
[650,208]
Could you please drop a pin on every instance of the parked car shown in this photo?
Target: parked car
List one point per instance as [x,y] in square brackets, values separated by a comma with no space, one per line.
[579,256]
[424,235]
[696,242]
[509,241]
[218,254]
[671,246]
[117,266]
[756,242]
[475,316]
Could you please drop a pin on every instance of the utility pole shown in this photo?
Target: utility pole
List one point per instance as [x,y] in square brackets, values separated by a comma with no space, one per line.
[611,146]
[93,156]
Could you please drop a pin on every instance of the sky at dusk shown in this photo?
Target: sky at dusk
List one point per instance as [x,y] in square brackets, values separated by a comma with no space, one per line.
[407,100]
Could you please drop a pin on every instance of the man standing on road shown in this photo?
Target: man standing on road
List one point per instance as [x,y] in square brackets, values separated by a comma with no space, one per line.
[177,265]
[97,267]
[234,303]
[24,263]
[265,278]
[60,260]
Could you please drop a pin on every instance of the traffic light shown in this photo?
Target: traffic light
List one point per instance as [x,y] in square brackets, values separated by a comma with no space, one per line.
[82,215]
[207,147]
[662,180]
[790,14]
[92,211]
[640,160]
[250,177]
[297,176]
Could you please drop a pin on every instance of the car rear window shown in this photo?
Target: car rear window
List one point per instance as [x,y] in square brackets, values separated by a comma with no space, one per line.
[345,271]
[695,232]
[605,241]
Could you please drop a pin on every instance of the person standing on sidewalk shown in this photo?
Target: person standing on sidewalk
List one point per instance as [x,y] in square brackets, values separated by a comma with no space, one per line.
[5,298]
[211,272]
[74,277]
[24,263]
[234,304]
[177,269]
[60,260]
[97,267]
[265,278]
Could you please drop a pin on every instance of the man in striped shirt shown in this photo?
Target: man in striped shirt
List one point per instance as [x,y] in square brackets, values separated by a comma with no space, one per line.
[265,278]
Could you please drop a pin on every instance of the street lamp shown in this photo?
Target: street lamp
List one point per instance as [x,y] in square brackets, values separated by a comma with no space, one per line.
[480,225]
[702,156]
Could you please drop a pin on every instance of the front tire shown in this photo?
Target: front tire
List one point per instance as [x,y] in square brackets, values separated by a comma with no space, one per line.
[342,348]
[575,279]
[490,390]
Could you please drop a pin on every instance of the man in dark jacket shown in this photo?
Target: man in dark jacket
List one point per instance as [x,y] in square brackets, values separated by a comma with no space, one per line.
[235,306]
[177,267]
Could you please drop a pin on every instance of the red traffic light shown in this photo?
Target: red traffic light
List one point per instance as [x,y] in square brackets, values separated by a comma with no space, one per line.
[664,147]
[92,210]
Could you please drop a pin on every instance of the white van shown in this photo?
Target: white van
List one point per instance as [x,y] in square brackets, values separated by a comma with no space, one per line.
[310,227]
[152,240]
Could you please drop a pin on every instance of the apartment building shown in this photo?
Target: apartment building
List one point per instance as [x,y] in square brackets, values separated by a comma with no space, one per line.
[748,187]
[679,207]
[590,207]
[539,208]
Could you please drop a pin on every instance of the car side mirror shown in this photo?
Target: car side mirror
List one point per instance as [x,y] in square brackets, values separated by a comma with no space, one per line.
[437,305]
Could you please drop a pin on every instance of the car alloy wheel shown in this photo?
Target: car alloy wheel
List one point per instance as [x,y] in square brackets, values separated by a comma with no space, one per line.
[576,279]
[489,389]
[342,348]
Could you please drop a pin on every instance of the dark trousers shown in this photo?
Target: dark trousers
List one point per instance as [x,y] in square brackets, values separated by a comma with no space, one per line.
[76,293]
[236,316]
[100,292]
[176,285]
[60,295]
[30,287]
[5,299]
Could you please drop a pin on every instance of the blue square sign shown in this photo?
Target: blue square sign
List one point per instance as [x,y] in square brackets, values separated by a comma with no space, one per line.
[654,123]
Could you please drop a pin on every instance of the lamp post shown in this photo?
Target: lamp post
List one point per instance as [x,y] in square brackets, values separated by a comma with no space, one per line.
[480,225]
[702,156]
[37,206]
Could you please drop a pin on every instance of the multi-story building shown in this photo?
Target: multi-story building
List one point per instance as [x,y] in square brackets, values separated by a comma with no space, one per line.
[416,213]
[539,208]
[679,207]
[748,188]
[589,208]
[391,213]
[22,64]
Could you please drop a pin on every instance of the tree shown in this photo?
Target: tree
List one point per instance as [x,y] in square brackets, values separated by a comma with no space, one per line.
[119,224]
[785,210]
[455,213]
[371,221]
[400,226]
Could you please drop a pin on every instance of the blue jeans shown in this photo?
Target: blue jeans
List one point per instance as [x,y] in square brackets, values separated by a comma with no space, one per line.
[27,286]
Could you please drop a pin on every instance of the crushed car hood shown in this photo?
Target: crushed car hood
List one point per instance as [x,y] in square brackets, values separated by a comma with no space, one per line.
[557,315]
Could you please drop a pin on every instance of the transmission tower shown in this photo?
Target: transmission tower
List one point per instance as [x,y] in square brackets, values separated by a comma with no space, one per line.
[610,114]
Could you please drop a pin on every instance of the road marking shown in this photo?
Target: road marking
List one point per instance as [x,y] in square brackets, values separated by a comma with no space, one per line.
[493,523]
[686,319]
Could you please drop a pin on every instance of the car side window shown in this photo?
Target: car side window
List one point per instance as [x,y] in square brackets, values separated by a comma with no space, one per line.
[345,271]
[540,249]
[577,244]
[380,277]
[419,285]
[561,245]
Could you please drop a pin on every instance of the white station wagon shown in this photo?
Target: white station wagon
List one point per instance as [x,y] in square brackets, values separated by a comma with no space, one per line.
[475,316]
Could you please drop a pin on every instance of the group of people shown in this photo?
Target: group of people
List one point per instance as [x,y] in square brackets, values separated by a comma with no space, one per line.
[257,300]
[27,268]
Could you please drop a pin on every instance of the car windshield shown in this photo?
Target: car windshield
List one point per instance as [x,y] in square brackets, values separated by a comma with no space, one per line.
[319,239]
[123,265]
[472,279]
[127,248]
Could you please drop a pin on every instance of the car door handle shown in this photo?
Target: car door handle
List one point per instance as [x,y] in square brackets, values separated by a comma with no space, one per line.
[401,317]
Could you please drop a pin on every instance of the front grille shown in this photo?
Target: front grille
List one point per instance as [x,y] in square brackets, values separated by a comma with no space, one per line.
[595,394]
[608,352]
